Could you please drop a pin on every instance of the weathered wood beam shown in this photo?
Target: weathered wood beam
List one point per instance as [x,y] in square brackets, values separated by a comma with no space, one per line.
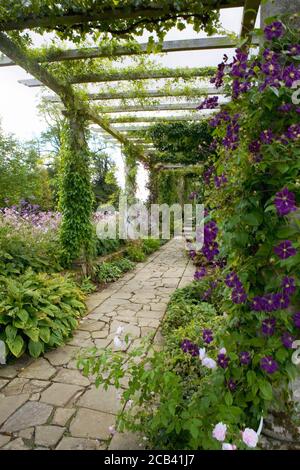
[119,75]
[182,45]
[146,94]
[191,117]
[250,12]
[150,108]
[92,16]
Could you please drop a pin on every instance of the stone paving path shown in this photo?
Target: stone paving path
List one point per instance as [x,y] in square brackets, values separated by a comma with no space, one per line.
[48,404]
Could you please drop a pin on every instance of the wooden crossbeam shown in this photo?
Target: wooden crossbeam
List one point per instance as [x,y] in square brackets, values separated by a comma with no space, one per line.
[190,117]
[250,12]
[182,45]
[120,75]
[146,94]
[152,108]
[93,17]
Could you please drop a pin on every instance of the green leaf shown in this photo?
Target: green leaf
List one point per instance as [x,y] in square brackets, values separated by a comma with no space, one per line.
[266,391]
[11,332]
[15,345]
[35,348]
[253,218]
[33,333]
[228,399]
[45,334]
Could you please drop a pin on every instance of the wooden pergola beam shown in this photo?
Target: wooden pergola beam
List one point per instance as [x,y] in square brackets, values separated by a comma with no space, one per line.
[120,75]
[191,117]
[152,108]
[146,94]
[183,45]
[94,17]
[250,12]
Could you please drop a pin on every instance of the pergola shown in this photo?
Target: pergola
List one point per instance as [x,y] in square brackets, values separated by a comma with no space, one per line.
[80,112]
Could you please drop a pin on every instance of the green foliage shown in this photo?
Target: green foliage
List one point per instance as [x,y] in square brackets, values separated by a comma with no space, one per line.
[22,174]
[124,264]
[76,196]
[149,245]
[105,246]
[22,247]
[181,142]
[111,271]
[135,253]
[38,311]
[87,286]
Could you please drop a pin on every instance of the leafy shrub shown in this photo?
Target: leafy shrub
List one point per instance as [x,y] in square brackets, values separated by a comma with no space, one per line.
[38,311]
[149,245]
[124,264]
[87,286]
[135,253]
[108,272]
[107,246]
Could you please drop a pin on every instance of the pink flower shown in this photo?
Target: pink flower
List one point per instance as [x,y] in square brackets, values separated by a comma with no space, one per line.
[219,432]
[112,430]
[223,351]
[250,437]
[227,446]
[209,363]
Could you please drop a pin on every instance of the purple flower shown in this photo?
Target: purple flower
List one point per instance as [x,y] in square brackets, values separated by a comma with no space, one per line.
[231,384]
[207,336]
[274,31]
[223,361]
[270,55]
[267,136]
[193,195]
[283,301]
[293,132]
[296,319]
[188,347]
[254,147]
[199,274]
[294,49]
[270,302]
[285,249]
[268,364]
[271,68]
[238,295]
[257,304]
[285,107]
[210,250]
[287,340]
[290,75]
[209,103]
[285,202]
[232,280]
[220,181]
[208,174]
[210,231]
[288,285]
[268,326]
[207,294]
[245,358]
[192,254]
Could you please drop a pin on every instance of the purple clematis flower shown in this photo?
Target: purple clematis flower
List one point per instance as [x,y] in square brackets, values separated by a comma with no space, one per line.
[296,319]
[200,273]
[294,49]
[210,250]
[232,280]
[267,136]
[188,347]
[210,231]
[290,75]
[285,202]
[268,364]
[274,31]
[223,361]
[238,295]
[268,326]
[207,336]
[287,340]
[285,249]
[288,285]
[285,107]
[232,385]
[245,358]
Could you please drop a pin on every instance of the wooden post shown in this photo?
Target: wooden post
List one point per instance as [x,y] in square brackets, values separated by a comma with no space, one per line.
[281,7]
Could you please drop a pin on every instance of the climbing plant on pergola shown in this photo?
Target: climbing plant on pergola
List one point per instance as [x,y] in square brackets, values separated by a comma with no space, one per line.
[114,25]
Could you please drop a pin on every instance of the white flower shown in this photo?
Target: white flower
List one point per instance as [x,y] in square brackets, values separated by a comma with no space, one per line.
[250,437]
[112,430]
[120,330]
[118,343]
[222,351]
[202,353]
[209,363]
[227,446]
[219,432]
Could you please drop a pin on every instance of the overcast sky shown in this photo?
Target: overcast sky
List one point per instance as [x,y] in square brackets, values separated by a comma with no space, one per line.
[18,103]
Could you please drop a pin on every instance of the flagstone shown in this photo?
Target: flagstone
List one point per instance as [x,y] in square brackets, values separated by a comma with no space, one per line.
[40,369]
[8,405]
[30,414]
[59,394]
[48,436]
[91,424]
[100,399]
